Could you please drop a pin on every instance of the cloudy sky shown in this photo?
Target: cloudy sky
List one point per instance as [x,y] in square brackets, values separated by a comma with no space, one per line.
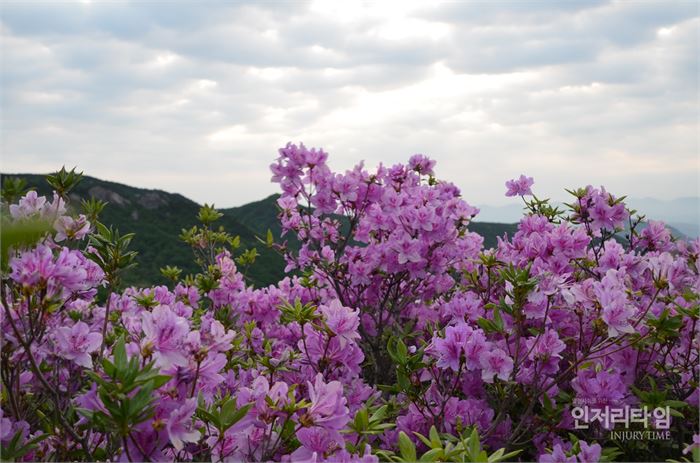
[196,98]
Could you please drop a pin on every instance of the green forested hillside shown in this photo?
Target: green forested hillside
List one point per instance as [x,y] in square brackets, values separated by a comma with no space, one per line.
[157,217]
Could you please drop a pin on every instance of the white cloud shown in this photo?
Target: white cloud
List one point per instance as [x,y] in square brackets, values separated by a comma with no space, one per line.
[197,100]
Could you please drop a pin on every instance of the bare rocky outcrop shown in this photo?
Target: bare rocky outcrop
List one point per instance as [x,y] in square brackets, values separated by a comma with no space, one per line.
[152,200]
[110,196]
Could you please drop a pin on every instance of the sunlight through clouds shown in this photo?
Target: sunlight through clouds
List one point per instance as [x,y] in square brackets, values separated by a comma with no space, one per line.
[488,89]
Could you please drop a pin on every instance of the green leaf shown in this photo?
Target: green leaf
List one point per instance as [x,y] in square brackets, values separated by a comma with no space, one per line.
[15,450]
[391,350]
[497,320]
[160,380]
[379,414]
[13,189]
[507,457]
[487,325]
[383,426]
[64,181]
[423,439]
[401,351]
[236,416]
[547,403]
[361,420]
[674,403]
[432,455]
[435,441]
[406,447]
[474,444]
[119,353]
[228,408]
[402,379]
[209,417]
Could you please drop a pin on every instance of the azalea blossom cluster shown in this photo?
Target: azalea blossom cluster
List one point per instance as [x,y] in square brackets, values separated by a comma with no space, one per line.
[200,359]
[394,324]
[32,206]
[385,242]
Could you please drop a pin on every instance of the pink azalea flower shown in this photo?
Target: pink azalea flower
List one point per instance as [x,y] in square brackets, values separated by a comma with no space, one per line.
[217,337]
[548,345]
[28,205]
[55,208]
[179,426]
[70,228]
[557,456]
[316,442]
[408,251]
[617,311]
[449,350]
[77,342]
[694,446]
[589,453]
[345,188]
[342,321]
[474,348]
[72,270]
[327,408]
[5,427]
[144,438]
[33,266]
[520,186]
[617,317]
[656,237]
[166,333]
[496,363]
[421,164]
[605,215]
[601,387]
[343,456]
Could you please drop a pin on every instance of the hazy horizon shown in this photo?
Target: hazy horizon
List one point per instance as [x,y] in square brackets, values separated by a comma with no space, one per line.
[675,212]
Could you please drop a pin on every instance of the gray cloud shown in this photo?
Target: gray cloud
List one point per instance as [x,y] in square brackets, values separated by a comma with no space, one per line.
[196,98]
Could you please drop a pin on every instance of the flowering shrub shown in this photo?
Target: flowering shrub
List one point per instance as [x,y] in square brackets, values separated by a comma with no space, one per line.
[396,337]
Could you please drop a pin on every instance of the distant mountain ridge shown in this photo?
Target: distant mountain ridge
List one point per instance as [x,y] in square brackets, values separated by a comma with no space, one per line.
[157,218]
